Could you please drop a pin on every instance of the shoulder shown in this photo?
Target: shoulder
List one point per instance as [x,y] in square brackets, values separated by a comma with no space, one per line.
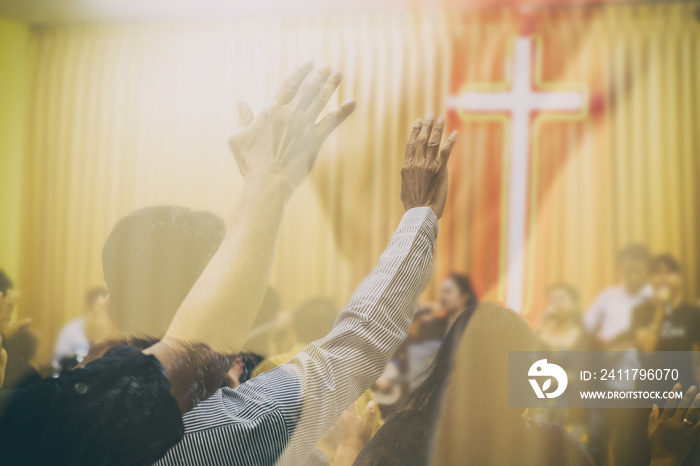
[125,384]
[73,327]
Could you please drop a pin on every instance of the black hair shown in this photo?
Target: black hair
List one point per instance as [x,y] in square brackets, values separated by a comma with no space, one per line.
[22,345]
[476,423]
[313,319]
[151,260]
[665,260]
[636,252]
[464,283]
[427,396]
[568,289]
[93,294]
[5,283]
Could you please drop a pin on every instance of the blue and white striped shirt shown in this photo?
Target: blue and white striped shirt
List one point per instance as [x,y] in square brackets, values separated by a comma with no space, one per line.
[277,417]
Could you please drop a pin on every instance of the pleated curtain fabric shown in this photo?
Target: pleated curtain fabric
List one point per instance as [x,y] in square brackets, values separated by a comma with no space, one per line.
[126,116]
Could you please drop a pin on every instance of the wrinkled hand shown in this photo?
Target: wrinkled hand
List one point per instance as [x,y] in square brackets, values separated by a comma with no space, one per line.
[284,139]
[424,172]
[670,437]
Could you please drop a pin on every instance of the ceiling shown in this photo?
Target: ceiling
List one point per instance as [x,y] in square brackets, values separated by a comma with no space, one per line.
[42,12]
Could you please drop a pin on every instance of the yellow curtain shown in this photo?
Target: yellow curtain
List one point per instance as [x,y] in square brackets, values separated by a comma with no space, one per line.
[624,171]
[14,41]
[125,116]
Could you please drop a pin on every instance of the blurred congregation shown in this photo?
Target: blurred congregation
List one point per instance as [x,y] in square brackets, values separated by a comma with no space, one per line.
[570,224]
[646,310]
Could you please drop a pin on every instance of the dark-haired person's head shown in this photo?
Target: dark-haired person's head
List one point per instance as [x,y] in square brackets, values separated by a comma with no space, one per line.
[426,397]
[492,331]
[421,408]
[457,294]
[93,296]
[5,284]
[6,303]
[313,319]
[666,278]
[98,327]
[476,426]
[22,345]
[633,261]
[151,260]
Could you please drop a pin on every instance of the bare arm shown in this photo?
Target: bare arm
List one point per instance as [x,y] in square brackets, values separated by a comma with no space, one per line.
[274,152]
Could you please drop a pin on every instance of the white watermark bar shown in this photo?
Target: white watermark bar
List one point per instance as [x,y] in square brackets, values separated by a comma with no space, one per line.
[599,379]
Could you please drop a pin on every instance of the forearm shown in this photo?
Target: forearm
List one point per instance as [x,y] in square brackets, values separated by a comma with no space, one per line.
[337,369]
[223,303]
[347,453]
[218,312]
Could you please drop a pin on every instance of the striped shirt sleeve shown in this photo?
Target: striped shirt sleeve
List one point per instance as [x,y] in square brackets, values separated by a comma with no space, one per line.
[337,369]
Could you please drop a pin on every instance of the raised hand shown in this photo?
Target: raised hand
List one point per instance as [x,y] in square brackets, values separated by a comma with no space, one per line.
[353,432]
[673,432]
[424,173]
[284,139]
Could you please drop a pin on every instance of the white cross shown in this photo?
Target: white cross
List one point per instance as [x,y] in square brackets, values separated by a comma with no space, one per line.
[520,101]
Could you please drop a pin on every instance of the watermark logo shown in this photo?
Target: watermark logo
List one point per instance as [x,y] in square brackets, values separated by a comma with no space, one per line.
[542,369]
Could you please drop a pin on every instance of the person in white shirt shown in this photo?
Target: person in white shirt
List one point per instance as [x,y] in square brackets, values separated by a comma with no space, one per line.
[71,341]
[609,317]
[76,335]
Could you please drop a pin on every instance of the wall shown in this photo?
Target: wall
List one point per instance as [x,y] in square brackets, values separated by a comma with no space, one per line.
[13,97]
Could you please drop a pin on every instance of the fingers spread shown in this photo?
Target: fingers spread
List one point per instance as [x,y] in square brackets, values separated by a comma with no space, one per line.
[671,402]
[323,96]
[368,418]
[686,401]
[412,137]
[415,129]
[693,414]
[290,86]
[245,114]
[311,86]
[435,138]
[446,150]
[654,414]
[334,118]
[425,131]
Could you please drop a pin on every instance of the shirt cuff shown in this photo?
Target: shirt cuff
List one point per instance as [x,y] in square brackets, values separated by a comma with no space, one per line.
[422,218]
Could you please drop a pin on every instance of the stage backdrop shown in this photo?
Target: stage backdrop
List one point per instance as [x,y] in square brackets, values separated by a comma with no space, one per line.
[578,135]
